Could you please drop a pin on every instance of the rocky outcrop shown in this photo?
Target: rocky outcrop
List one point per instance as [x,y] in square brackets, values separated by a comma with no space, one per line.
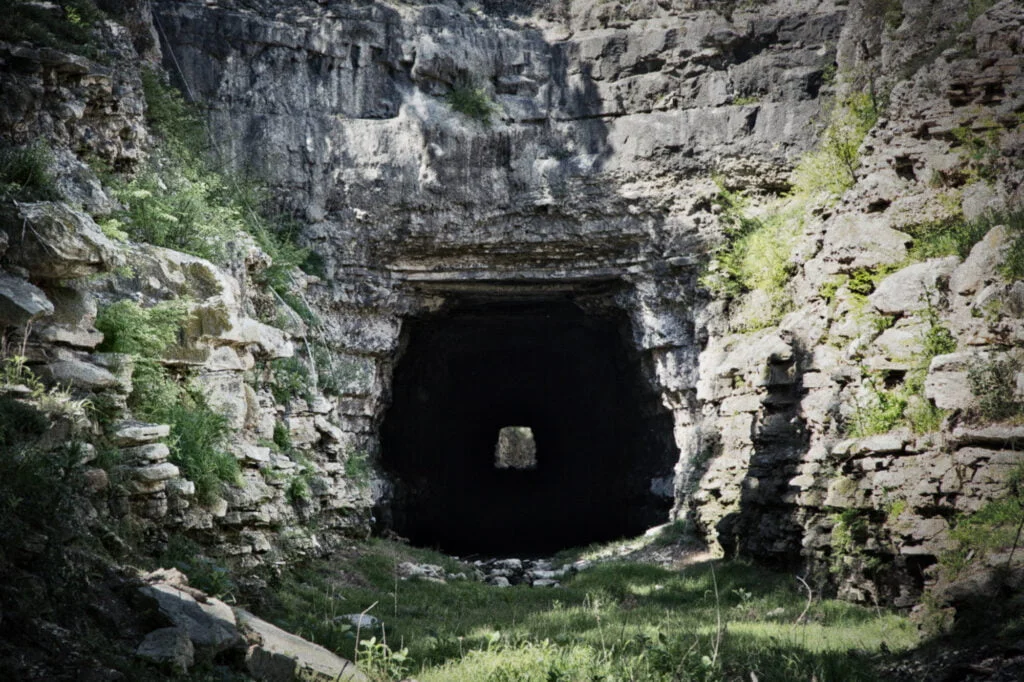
[586,166]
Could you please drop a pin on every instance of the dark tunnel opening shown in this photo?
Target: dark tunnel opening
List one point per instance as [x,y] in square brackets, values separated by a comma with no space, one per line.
[600,433]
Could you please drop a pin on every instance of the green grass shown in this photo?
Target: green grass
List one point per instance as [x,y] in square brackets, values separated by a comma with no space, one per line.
[615,621]
[831,168]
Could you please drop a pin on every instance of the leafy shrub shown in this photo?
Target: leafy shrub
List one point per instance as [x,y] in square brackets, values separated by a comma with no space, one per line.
[290,379]
[994,383]
[881,413]
[282,438]
[471,101]
[129,328]
[20,423]
[174,119]
[203,573]
[197,438]
[832,167]
[197,431]
[358,469]
[25,173]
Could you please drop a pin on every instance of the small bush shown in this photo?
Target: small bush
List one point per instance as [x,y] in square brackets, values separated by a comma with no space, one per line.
[358,469]
[20,423]
[947,237]
[174,119]
[471,101]
[282,438]
[993,527]
[881,413]
[756,253]
[994,383]
[129,328]
[25,173]
[197,438]
[290,380]
[203,573]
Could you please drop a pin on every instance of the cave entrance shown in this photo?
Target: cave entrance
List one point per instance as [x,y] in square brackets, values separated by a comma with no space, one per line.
[599,435]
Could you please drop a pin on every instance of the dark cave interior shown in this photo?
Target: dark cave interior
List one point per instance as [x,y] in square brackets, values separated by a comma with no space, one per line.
[600,431]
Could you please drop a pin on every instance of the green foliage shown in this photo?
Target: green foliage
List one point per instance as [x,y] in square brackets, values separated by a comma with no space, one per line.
[358,469]
[154,391]
[197,431]
[282,437]
[905,404]
[198,435]
[129,328]
[1012,267]
[290,380]
[380,661]
[755,255]
[946,237]
[975,8]
[980,151]
[182,201]
[615,621]
[25,173]
[831,169]
[55,401]
[994,383]
[850,529]
[297,489]
[471,101]
[65,25]
[20,423]
[175,120]
[880,413]
[203,573]
[39,490]
[996,526]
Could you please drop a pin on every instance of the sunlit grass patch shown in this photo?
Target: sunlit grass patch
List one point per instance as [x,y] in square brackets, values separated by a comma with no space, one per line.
[617,620]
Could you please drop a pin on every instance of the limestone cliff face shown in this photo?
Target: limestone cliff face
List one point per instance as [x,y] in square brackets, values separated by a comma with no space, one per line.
[595,177]
[610,121]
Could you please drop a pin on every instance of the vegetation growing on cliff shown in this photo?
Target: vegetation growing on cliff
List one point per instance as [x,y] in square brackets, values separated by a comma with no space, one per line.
[756,254]
[472,101]
[24,173]
[198,432]
[831,168]
[64,24]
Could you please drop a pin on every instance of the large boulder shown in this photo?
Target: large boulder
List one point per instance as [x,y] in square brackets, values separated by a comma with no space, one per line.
[73,320]
[20,301]
[210,623]
[170,646]
[915,287]
[53,241]
[278,656]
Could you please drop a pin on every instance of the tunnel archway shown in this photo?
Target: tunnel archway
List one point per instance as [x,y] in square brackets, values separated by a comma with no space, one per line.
[572,377]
